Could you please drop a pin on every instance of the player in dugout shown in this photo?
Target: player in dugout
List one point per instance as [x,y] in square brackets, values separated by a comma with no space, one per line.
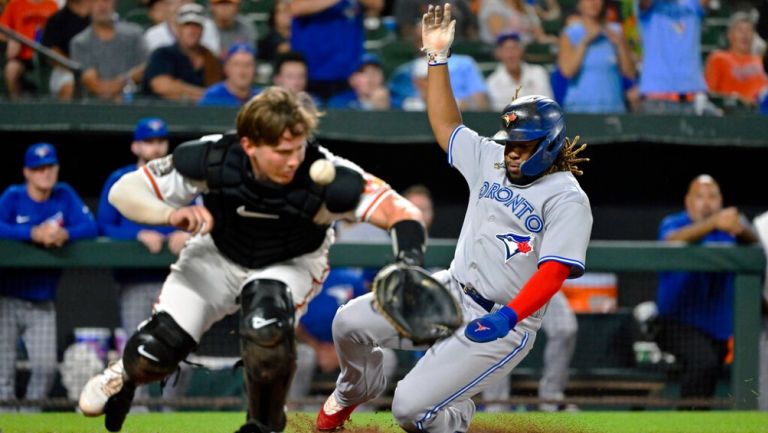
[260,246]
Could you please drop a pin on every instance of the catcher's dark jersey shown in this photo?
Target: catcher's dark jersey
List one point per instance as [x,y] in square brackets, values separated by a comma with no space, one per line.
[256,224]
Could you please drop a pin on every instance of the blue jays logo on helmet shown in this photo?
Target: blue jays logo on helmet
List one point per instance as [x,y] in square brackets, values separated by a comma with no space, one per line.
[530,118]
[516,244]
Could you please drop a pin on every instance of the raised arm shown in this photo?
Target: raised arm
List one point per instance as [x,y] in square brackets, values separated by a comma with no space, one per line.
[437,36]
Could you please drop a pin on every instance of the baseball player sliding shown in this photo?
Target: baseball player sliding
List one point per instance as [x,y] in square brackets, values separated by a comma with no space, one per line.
[261,244]
[526,230]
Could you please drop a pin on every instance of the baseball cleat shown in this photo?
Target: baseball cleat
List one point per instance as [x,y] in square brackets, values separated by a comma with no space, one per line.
[100,388]
[118,406]
[332,415]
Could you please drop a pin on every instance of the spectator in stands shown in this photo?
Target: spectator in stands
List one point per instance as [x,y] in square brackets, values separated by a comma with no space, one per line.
[48,213]
[547,10]
[138,291]
[671,67]
[180,72]
[696,309]
[165,33]
[237,87]
[278,38]
[60,28]
[737,72]
[416,100]
[594,56]
[233,27]
[408,14]
[512,73]
[290,71]
[421,197]
[467,81]
[26,17]
[111,52]
[160,11]
[339,24]
[499,16]
[762,28]
[368,90]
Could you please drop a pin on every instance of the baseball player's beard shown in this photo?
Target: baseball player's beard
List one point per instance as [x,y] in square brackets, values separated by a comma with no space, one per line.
[519,178]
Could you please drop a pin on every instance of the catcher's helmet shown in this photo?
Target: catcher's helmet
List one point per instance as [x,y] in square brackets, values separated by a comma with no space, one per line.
[531,118]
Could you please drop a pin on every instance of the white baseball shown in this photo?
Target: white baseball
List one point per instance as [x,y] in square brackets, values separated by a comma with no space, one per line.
[322,172]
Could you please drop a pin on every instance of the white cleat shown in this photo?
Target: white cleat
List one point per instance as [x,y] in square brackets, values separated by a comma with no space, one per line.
[100,388]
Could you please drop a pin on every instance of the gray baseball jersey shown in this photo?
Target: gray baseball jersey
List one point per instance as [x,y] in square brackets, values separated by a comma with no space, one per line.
[509,230]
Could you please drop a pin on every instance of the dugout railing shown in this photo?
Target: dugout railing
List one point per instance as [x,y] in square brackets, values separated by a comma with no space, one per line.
[748,263]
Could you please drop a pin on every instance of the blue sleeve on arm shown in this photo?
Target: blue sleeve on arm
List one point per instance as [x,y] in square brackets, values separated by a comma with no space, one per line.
[78,220]
[110,221]
[8,227]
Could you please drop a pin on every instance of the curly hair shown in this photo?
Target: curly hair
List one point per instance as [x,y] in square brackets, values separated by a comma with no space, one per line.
[568,158]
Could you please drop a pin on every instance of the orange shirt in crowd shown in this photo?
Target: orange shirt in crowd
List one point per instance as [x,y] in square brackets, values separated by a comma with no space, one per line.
[728,73]
[27,17]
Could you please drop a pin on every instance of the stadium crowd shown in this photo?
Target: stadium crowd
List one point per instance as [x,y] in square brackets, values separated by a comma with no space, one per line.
[592,56]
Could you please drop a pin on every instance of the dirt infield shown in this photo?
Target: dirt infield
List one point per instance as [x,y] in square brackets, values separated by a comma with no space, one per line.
[306,423]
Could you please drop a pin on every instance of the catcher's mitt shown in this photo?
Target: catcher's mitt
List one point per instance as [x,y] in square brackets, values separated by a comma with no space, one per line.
[417,305]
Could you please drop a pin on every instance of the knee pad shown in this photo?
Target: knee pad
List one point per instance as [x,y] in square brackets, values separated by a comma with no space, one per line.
[154,351]
[267,313]
[268,349]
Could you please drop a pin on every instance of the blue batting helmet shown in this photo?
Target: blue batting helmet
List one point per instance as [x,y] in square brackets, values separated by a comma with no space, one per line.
[532,118]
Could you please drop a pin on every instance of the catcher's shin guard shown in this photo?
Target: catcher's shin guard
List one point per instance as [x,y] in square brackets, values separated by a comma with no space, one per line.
[268,349]
[155,350]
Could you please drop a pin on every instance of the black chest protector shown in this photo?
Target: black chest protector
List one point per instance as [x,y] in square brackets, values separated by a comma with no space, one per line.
[255,224]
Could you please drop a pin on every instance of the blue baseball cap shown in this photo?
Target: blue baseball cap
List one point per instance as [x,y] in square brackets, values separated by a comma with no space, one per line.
[507,36]
[150,127]
[40,154]
[239,47]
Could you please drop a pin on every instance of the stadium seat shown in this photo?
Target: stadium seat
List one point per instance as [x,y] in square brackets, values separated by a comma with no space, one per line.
[540,53]
[395,53]
[552,27]
[256,6]
[138,16]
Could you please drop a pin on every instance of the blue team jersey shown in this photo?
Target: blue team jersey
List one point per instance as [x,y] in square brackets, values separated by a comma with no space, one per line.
[219,95]
[330,40]
[703,300]
[597,88]
[671,34]
[342,285]
[19,214]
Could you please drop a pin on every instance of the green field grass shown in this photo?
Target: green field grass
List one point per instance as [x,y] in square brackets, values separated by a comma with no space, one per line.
[366,422]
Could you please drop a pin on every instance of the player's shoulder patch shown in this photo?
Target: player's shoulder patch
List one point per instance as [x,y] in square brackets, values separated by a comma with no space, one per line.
[161,166]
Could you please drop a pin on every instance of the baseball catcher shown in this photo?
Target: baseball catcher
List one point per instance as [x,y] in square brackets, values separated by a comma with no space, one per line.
[260,246]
